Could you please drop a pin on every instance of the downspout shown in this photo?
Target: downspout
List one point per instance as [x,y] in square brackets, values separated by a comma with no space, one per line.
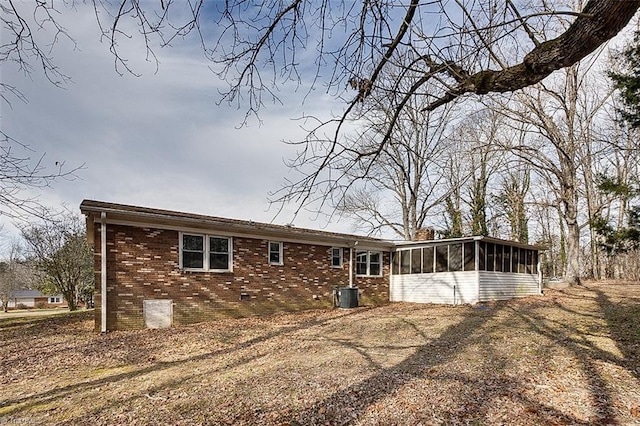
[351,264]
[103,271]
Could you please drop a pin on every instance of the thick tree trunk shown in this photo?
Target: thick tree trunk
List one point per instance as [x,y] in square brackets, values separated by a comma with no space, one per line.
[71,300]
[600,21]
[570,202]
[572,268]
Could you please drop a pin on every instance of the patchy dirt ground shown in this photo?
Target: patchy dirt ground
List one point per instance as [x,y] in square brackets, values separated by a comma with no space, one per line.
[571,356]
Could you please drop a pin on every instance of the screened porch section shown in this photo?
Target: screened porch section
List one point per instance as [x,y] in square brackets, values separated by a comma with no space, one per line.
[463,270]
[454,257]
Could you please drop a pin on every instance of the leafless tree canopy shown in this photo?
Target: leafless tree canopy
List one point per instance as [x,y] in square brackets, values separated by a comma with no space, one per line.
[458,47]
[22,169]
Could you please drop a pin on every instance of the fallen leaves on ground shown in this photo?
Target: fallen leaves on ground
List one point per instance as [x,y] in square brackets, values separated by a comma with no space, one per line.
[570,356]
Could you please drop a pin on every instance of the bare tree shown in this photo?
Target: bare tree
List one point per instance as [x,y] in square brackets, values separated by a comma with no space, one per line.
[30,31]
[467,46]
[563,113]
[20,172]
[404,188]
[14,274]
[515,183]
[441,50]
[62,255]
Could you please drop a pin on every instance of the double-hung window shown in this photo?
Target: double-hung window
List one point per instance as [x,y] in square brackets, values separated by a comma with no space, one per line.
[336,257]
[275,253]
[369,263]
[205,252]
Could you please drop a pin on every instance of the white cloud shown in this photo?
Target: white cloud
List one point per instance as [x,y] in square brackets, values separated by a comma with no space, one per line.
[158,140]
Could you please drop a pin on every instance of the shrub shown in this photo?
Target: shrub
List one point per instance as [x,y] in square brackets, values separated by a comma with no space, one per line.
[21,306]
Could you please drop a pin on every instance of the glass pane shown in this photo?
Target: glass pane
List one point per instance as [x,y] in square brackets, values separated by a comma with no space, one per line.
[219,261]
[427,260]
[455,257]
[374,257]
[469,256]
[405,260]
[416,261]
[192,260]
[490,256]
[336,257]
[482,264]
[361,263]
[535,261]
[192,242]
[441,259]
[506,259]
[219,245]
[274,253]
[374,269]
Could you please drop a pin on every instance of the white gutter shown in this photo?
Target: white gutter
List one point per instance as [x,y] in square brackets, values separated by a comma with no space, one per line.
[103,271]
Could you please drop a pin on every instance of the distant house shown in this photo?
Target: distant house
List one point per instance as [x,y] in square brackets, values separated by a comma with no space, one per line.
[35,298]
[155,268]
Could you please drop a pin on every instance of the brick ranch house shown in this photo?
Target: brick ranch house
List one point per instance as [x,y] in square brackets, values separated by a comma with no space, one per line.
[156,268]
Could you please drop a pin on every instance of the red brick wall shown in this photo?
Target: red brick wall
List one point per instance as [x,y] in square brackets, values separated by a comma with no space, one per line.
[143,263]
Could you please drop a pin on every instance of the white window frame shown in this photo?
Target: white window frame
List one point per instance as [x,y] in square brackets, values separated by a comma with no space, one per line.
[340,257]
[369,252]
[207,252]
[280,261]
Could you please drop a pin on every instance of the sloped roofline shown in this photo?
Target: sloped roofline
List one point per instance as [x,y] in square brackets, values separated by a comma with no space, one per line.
[168,218]
[124,213]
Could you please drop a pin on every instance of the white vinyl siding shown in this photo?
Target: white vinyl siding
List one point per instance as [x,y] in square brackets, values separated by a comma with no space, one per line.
[502,286]
[446,288]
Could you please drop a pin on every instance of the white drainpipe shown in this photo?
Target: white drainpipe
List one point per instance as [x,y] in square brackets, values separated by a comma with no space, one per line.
[351,250]
[103,271]
[351,266]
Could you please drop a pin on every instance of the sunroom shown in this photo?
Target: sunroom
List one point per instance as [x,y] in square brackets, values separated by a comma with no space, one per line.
[464,270]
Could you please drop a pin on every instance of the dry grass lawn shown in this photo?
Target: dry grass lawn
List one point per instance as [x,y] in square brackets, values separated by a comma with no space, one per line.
[569,357]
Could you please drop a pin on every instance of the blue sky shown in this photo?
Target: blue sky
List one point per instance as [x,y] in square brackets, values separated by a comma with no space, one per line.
[159,140]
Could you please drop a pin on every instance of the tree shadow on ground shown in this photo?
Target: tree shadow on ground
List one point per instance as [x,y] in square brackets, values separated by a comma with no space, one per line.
[478,396]
[623,319]
[485,383]
[16,406]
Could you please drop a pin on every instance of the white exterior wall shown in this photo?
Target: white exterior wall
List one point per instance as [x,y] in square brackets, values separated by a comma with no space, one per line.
[435,288]
[26,301]
[503,285]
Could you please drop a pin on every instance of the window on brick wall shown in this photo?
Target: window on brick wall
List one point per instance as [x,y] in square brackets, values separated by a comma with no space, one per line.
[336,257]
[205,252]
[369,263]
[275,253]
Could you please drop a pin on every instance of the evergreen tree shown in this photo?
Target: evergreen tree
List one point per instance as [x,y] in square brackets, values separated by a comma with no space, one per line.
[628,82]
